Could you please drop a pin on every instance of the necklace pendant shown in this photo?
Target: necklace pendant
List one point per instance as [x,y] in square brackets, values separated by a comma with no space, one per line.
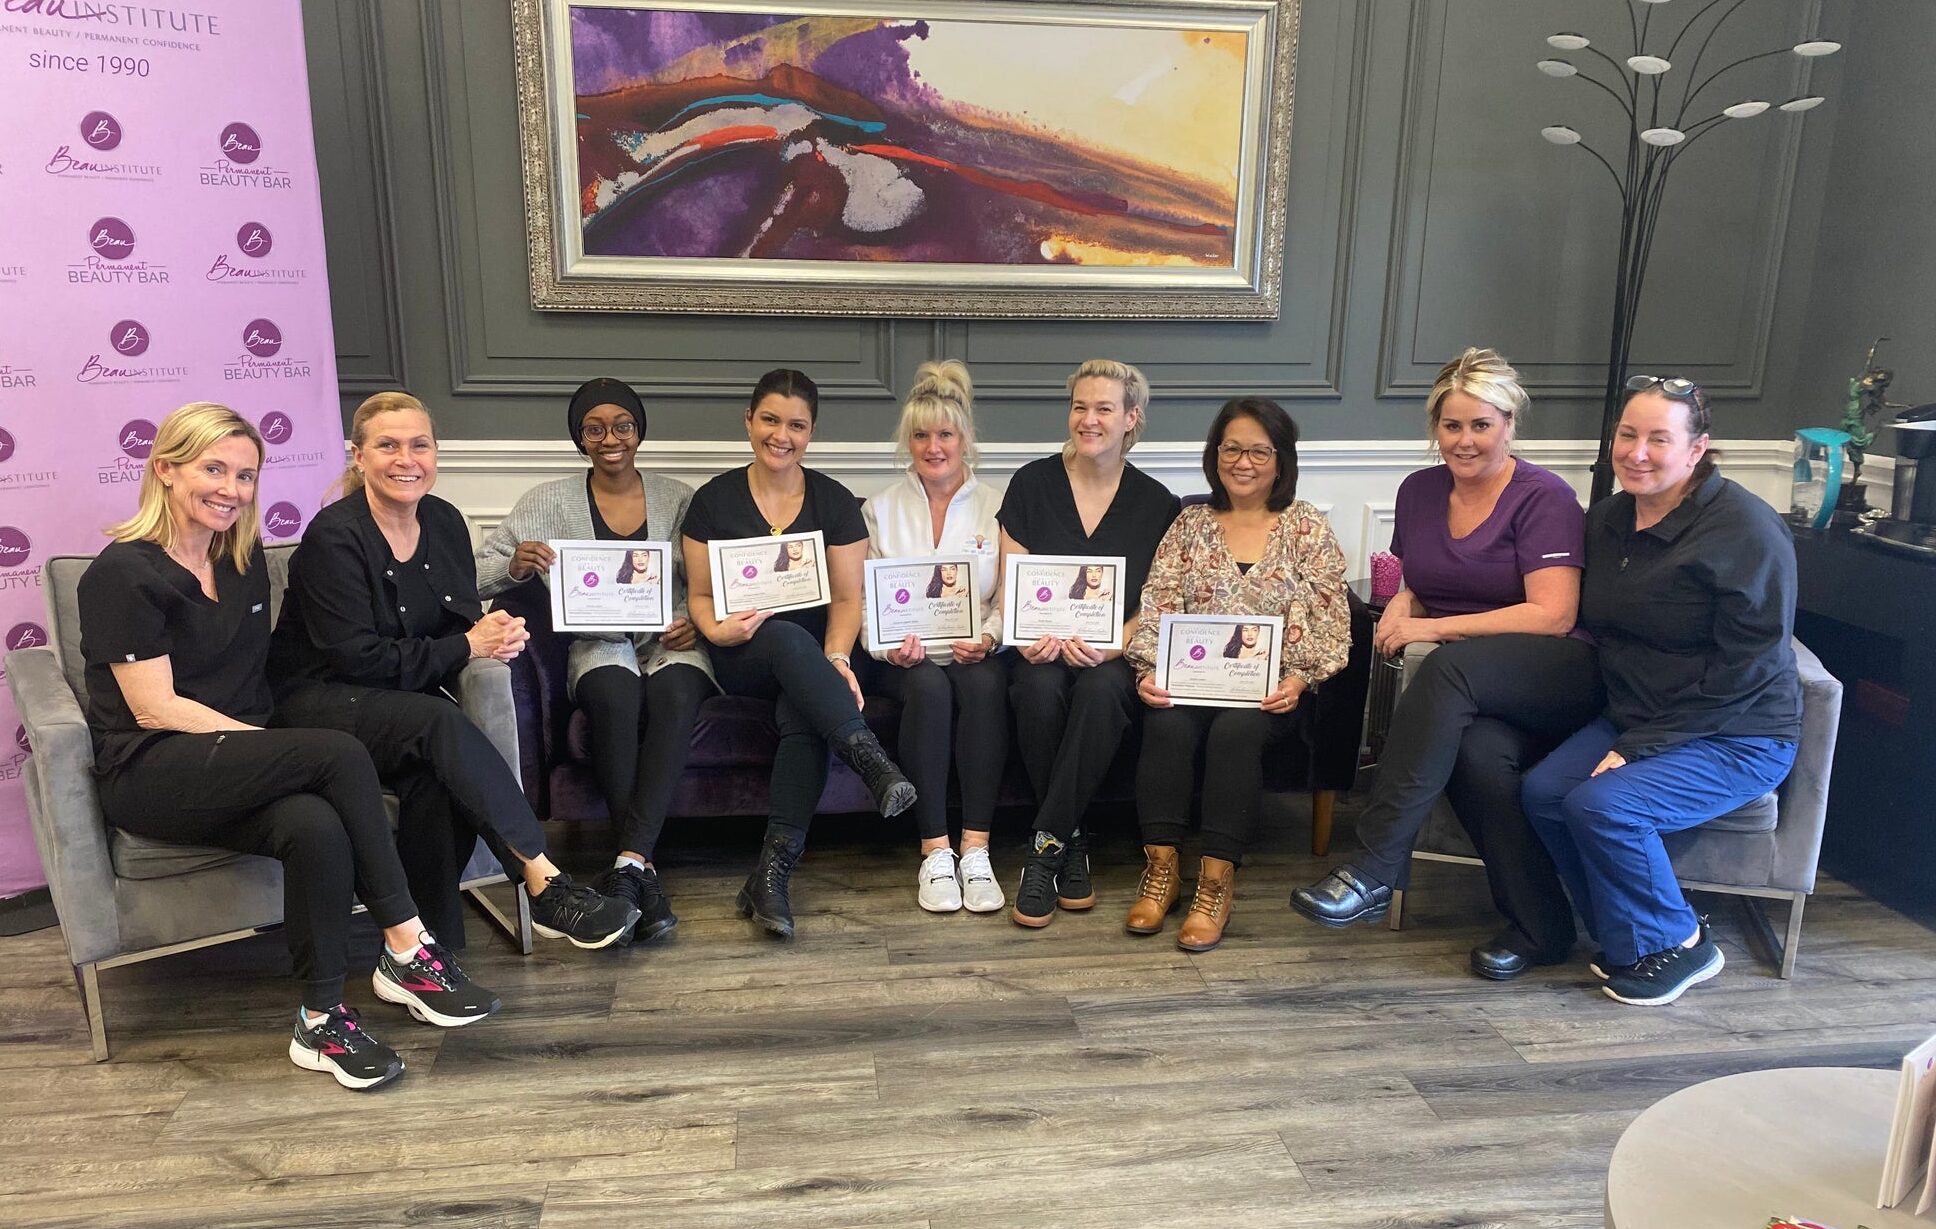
[775,530]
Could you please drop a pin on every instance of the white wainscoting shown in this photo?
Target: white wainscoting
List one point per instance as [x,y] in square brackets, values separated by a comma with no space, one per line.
[1352,481]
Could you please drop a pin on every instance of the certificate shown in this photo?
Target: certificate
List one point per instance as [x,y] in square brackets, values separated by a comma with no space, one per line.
[1219,661]
[781,571]
[1064,596]
[933,599]
[610,586]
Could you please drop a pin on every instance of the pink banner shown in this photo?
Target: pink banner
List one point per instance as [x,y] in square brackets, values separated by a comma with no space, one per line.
[162,243]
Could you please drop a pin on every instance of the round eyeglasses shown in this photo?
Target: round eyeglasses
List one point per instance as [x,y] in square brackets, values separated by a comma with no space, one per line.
[624,429]
[1230,453]
[1673,386]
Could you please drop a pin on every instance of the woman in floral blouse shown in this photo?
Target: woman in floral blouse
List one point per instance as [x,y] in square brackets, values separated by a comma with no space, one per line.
[1254,549]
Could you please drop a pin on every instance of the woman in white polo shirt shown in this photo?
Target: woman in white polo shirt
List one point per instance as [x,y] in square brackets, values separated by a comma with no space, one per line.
[953,701]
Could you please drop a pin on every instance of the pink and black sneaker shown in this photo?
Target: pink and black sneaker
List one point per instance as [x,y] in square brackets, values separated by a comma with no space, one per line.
[337,1044]
[432,986]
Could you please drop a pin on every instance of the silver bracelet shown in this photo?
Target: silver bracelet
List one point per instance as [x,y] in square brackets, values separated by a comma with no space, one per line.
[842,659]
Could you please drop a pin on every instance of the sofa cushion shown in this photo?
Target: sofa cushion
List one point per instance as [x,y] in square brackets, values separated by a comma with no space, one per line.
[734,732]
[1757,816]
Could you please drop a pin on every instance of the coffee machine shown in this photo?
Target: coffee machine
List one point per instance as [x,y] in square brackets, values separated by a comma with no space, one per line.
[1911,523]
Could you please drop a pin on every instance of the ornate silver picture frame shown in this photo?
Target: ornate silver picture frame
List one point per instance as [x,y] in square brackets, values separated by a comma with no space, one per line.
[1047,158]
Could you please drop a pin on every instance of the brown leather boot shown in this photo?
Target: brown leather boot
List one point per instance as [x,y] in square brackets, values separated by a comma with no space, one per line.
[1202,928]
[1157,894]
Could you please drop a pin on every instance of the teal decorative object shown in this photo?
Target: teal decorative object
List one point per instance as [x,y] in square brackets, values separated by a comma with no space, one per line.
[1818,474]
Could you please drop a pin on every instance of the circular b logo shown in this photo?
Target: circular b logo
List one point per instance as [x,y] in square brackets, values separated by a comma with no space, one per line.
[1196,652]
[262,338]
[277,428]
[240,143]
[1044,594]
[26,636]
[15,547]
[6,445]
[111,239]
[129,337]
[900,597]
[137,439]
[254,240]
[100,130]
[749,571]
[591,580]
[282,521]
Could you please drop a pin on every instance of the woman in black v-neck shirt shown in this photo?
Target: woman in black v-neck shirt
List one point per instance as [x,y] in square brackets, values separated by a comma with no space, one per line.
[175,633]
[800,659]
[1072,703]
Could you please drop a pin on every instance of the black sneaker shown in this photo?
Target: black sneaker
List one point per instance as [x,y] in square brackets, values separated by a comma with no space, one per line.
[639,887]
[337,1044]
[432,986]
[1660,978]
[1035,896]
[1073,890]
[567,910]
[1603,968]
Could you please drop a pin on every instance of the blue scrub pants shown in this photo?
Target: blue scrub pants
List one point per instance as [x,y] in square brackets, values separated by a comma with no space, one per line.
[1605,832]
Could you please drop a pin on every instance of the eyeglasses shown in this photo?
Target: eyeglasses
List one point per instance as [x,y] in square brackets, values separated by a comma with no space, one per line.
[624,429]
[1258,456]
[1673,386]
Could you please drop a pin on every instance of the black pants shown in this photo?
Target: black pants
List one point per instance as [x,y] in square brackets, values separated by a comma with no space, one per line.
[307,798]
[453,785]
[1232,741]
[1069,723]
[811,703]
[1535,691]
[944,706]
[641,732]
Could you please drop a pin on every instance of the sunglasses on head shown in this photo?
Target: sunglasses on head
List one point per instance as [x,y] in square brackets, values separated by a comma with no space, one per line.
[1673,386]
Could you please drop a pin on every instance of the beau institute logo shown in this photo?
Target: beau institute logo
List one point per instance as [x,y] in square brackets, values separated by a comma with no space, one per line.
[18,479]
[128,339]
[238,162]
[137,439]
[282,520]
[110,262]
[253,243]
[262,357]
[16,548]
[100,134]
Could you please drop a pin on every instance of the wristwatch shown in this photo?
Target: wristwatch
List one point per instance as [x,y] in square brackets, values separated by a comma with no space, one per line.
[842,659]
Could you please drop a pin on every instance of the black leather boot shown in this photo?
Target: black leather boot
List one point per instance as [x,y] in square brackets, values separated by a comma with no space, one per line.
[763,897]
[862,752]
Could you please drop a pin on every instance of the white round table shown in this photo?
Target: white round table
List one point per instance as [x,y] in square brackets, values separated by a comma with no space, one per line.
[1728,1154]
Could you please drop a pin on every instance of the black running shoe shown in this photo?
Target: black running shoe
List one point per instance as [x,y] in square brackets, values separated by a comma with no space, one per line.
[1660,978]
[1072,887]
[433,987]
[338,1045]
[1035,897]
[639,887]
[567,910]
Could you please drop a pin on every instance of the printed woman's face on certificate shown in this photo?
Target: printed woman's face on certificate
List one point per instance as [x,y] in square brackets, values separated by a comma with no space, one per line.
[642,569]
[951,585]
[1251,636]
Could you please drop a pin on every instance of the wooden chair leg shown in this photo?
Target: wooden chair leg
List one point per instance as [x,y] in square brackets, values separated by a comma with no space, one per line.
[1322,800]
[87,978]
[1395,917]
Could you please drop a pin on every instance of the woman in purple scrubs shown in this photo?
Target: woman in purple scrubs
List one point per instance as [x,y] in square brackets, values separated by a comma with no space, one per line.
[1493,547]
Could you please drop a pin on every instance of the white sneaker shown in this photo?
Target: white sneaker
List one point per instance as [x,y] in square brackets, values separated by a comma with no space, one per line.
[940,891]
[978,886]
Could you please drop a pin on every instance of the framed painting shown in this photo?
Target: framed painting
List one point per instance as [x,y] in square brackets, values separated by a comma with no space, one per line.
[1055,158]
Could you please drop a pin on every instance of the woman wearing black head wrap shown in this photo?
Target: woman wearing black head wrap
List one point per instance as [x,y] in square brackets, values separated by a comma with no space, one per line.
[640,693]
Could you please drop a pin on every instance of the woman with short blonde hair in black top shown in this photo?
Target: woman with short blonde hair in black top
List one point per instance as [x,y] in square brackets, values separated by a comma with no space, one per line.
[175,633]
[1072,703]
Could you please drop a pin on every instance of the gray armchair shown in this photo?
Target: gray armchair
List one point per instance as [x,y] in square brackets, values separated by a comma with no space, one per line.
[1765,850]
[123,899]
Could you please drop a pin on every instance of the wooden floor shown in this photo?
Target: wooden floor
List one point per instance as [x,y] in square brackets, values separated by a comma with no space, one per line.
[895,1069]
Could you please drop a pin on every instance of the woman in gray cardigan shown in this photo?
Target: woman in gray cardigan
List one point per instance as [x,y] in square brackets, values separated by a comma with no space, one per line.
[640,693]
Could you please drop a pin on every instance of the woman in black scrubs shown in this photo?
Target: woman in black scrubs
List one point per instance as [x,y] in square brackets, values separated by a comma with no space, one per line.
[380,618]
[1072,703]
[799,658]
[175,632]
[641,693]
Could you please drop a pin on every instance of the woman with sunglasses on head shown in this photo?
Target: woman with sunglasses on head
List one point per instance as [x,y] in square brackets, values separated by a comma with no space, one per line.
[1254,549]
[640,693]
[1492,546]
[953,705]
[380,617]
[799,659]
[1690,592]
[175,632]
[1073,703]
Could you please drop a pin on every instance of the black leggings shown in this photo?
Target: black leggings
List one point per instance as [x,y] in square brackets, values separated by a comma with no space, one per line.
[1478,713]
[307,798]
[1232,741]
[1069,723]
[811,704]
[641,732]
[453,784]
[943,704]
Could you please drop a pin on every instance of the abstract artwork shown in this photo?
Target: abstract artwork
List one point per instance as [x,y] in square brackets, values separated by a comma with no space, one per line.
[1010,157]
